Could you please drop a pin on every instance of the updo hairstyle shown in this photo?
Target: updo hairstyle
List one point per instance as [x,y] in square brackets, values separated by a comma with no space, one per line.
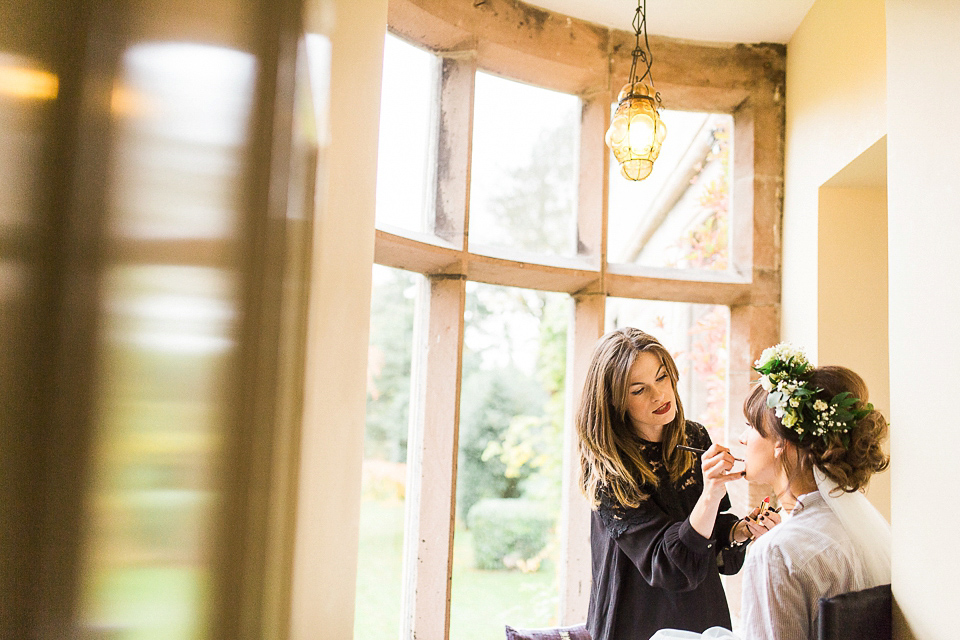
[850,466]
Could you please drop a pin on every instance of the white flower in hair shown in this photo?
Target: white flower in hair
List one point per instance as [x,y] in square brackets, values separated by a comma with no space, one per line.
[784,352]
[767,355]
[785,374]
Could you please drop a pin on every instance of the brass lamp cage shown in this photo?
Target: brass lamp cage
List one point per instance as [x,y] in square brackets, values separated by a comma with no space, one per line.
[636,131]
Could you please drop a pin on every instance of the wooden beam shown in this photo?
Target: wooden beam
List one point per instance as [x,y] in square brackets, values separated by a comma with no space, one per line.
[420,253]
[514,38]
[593,192]
[432,475]
[703,287]
[529,274]
[454,149]
[572,275]
[575,573]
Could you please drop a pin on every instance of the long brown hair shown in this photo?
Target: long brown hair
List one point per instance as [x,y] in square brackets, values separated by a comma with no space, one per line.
[610,454]
[849,466]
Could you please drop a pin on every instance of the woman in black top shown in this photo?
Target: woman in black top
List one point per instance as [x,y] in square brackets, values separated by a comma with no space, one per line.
[659,532]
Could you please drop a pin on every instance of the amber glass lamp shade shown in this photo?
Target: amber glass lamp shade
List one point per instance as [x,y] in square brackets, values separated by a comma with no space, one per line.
[636,131]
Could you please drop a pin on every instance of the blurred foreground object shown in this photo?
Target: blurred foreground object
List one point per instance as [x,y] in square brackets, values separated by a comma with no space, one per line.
[157,172]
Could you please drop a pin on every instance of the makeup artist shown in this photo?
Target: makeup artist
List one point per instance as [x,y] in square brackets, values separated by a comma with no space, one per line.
[660,530]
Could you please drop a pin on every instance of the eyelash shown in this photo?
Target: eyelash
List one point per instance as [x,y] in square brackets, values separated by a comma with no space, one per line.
[639,391]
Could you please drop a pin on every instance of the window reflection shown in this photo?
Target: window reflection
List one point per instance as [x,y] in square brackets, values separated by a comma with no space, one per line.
[167,343]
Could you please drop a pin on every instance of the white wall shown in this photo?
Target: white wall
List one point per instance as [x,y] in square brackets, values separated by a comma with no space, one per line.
[833,239]
[852,290]
[836,109]
[923,161]
[327,537]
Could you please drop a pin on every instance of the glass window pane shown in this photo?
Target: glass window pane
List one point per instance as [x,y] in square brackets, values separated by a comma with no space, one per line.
[696,335]
[405,171]
[679,217]
[509,468]
[523,179]
[385,454]
[168,343]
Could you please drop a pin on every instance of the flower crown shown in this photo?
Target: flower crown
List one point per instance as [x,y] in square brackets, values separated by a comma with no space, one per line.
[785,375]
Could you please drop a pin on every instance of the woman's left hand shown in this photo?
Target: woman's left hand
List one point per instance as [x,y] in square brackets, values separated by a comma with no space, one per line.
[761,521]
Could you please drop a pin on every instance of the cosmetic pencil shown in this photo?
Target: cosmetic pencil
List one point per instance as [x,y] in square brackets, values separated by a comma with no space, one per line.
[695,450]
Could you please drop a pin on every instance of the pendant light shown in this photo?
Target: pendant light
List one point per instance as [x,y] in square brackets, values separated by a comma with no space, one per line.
[636,131]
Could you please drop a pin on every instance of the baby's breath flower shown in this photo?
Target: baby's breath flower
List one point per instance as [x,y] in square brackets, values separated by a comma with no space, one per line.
[784,374]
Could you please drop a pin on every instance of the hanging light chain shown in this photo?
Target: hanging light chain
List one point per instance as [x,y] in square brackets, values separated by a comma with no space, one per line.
[636,131]
[642,51]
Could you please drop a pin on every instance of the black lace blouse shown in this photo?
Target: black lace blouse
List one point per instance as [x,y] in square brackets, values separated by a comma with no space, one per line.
[651,569]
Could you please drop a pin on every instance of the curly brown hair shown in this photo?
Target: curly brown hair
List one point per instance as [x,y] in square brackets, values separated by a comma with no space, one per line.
[849,466]
[610,457]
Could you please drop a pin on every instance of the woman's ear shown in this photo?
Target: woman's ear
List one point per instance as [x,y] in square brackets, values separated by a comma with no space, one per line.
[779,448]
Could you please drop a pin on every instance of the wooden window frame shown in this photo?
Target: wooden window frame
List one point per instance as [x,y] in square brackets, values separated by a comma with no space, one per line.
[515,40]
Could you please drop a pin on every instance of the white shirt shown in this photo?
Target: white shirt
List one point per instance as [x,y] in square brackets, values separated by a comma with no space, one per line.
[807,557]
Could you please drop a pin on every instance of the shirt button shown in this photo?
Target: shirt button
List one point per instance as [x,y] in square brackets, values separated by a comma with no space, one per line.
[709,545]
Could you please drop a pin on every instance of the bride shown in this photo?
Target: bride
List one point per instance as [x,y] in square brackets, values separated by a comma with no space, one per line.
[815,439]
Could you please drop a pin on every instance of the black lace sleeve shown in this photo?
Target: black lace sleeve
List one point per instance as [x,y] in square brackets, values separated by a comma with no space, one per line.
[616,518]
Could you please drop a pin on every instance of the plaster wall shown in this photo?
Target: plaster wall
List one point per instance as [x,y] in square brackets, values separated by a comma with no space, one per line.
[325,554]
[852,295]
[924,230]
[836,109]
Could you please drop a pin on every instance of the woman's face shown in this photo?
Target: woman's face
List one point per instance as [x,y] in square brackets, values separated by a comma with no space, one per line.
[651,403]
[761,463]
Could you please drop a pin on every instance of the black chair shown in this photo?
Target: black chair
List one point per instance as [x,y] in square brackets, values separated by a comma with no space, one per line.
[576,632]
[865,615]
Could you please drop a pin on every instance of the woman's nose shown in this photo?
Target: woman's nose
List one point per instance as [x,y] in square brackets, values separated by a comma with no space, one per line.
[743,437]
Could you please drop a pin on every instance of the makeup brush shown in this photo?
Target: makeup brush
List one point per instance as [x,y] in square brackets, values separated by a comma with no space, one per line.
[695,450]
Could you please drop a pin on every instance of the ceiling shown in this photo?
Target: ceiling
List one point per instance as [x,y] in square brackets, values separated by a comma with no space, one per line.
[703,20]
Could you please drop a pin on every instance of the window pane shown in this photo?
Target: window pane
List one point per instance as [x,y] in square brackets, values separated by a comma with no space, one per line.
[696,335]
[385,455]
[679,217]
[523,178]
[509,468]
[405,172]
[168,338]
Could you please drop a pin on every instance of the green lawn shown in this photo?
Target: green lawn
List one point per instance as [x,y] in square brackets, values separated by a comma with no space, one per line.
[483,601]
